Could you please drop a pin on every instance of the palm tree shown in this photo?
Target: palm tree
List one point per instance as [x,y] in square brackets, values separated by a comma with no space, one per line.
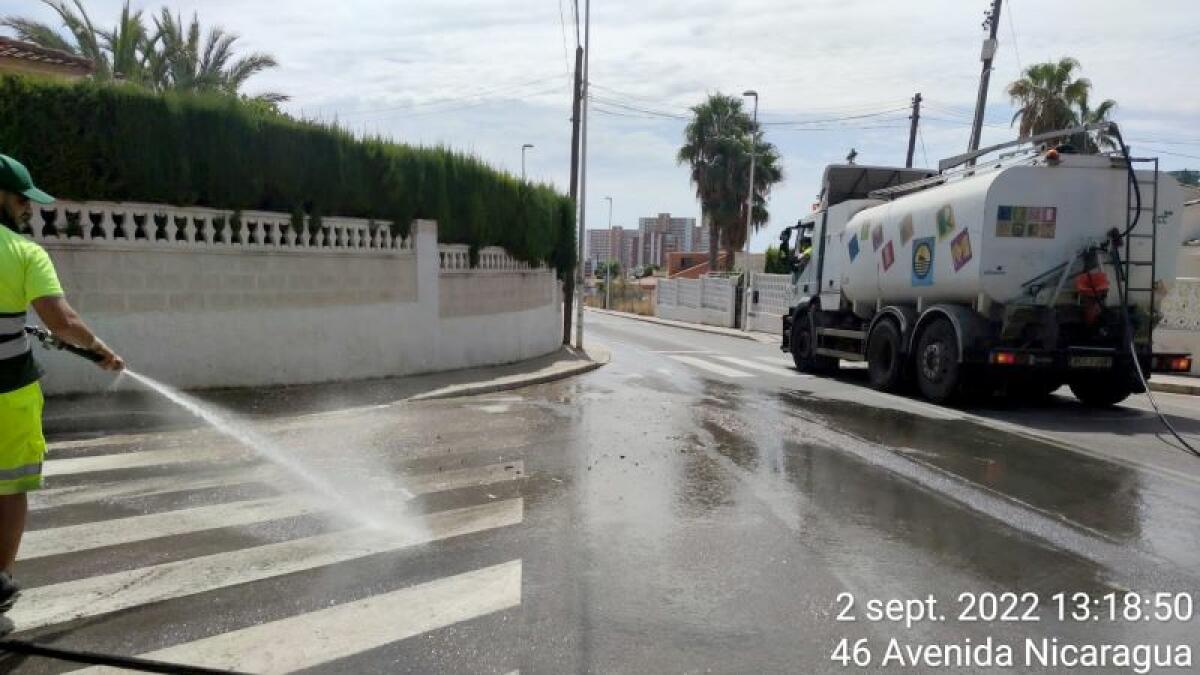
[175,57]
[182,60]
[1049,97]
[718,143]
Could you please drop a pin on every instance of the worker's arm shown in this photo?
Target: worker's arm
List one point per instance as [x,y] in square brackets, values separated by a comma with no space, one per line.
[63,321]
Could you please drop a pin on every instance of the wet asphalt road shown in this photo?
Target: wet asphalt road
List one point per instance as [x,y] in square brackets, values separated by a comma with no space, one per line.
[694,506]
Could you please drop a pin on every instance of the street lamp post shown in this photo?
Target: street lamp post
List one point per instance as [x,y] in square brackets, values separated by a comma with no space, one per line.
[608,263]
[750,202]
[523,149]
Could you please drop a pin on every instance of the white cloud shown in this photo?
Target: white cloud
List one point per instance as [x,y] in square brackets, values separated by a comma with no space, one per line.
[499,71]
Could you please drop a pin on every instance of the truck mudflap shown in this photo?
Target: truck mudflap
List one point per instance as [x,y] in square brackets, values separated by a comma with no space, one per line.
[786,345]
[1081,360]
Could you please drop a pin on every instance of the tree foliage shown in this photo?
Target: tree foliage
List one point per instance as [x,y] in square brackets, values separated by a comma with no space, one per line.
[92,141]
[717,147]
[1050,97]
[1188,177]
[774,262]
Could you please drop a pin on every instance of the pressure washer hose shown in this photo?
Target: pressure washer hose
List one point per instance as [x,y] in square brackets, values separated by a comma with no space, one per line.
[98,659]
[1137,365]
[50,342]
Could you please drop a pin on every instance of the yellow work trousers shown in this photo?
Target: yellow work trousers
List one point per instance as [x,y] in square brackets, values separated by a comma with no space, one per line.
[22,445]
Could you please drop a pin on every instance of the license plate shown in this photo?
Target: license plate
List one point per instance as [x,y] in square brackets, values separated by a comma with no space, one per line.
[1091,362]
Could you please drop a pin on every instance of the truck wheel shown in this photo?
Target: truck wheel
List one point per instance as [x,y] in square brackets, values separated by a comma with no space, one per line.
[1100,392]
[804,343]
[885,362]
[936,360]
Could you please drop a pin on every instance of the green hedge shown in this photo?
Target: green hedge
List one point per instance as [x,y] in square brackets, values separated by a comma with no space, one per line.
[120,143]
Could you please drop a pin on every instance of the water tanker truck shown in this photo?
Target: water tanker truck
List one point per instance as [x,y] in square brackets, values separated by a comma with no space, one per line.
[1036,268]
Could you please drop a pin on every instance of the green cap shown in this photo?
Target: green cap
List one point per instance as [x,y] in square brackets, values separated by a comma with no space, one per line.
[14,177]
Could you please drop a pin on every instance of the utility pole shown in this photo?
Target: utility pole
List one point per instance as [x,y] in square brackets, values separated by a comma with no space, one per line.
[912,130]
[991,22]
[576,281]
[608,265]
[583,104]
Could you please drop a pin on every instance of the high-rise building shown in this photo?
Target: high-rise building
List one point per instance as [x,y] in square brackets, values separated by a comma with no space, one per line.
[616,244]
[663,234]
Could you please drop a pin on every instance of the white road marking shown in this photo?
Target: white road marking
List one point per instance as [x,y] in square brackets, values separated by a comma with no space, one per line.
[75,538]
[325,635]
[710,367]
[133,460]
[680,351]
[93,596]
[747,363]
[424,483]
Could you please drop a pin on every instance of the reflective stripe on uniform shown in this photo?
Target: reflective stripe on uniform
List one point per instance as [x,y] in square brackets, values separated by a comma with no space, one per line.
[13,340]
[21,472]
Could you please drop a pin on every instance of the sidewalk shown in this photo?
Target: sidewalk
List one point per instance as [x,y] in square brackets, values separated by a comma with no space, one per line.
[1176,384]
[765,338]
[130,408]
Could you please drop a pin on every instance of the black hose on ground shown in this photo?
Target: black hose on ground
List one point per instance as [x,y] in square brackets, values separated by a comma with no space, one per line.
[98,659]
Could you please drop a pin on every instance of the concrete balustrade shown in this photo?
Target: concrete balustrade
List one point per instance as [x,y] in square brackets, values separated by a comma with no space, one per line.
[190,299]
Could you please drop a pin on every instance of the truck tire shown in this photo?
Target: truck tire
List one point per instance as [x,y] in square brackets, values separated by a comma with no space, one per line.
[885,361]
[1101,392]
[936,363]
[803,342]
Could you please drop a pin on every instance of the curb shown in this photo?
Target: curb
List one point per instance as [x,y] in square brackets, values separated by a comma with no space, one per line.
[1175,388]
[698,327]
[593,358]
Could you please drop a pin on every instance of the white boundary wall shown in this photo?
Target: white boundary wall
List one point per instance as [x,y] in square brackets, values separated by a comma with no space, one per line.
[1180,327]
[188,301]
[774,293]
[707,300]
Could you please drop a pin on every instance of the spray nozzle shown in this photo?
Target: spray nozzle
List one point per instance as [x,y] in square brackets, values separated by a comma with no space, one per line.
[49,341]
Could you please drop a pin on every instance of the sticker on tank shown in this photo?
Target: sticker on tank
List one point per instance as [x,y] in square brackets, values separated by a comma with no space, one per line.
[1028,222]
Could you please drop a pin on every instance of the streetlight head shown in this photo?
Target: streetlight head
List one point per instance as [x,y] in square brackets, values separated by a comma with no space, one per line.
[750,92]
[527,145]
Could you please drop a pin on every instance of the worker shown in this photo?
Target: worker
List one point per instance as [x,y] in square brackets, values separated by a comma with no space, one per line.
[27,277]
[804,246]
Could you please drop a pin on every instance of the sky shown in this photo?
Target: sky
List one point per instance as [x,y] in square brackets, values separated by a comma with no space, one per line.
[487,76]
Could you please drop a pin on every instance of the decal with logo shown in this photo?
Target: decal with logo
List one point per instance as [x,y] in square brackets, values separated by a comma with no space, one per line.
[945,221]
[922,261]
[960,250]
[906,230]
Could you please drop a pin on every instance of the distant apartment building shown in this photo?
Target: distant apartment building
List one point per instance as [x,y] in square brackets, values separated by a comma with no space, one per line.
[616,244]
[662,235]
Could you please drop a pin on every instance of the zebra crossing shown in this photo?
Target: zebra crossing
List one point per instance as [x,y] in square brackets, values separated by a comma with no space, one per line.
[734,367]
[209,525]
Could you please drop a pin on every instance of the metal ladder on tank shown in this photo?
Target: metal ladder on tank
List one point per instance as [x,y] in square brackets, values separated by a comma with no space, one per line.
[1147,228]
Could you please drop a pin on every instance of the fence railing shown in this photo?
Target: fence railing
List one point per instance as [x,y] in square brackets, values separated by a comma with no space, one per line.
[457,258]
[130,223]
